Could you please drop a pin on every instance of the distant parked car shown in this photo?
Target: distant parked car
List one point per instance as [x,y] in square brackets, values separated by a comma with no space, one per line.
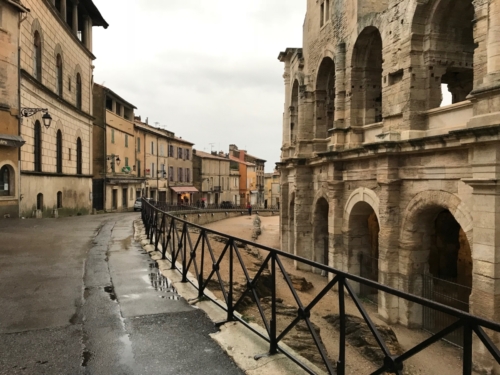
[227,204]
[138,203]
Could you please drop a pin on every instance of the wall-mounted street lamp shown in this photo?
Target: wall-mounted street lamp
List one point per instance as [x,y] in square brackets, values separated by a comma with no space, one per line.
[114,159]
[46,118]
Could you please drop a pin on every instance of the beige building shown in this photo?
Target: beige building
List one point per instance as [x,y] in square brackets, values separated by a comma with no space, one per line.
[56,74]
[212,178]
[272,190]
[257,181]
[378,177]
[116,179]
[247,180]
[10,141]
[166,161]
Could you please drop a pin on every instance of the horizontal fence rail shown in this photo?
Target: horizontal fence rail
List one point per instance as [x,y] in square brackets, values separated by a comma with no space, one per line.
[185,243]
[164,206]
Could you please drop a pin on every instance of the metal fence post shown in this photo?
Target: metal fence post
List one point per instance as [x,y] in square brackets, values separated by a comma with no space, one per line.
[184,253]
[230,310]
[273,349]
[467,356]
[341,360]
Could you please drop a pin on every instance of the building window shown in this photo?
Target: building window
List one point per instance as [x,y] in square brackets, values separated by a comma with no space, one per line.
[78,91]
[78,156]
[37,147]
[138,144]
[5,181]
[171,151]
[112,135]
[187,153]
[59,199]
[188,175]
[59,152]
[138,163]
[118,109]
[37,56]
[161,150]
[179,153]
[171,173]
[162,171]
[152,169]
[39,201]
[59,80]
[179,174]
[126,161]
[126,140]
[69,84]
[152,148]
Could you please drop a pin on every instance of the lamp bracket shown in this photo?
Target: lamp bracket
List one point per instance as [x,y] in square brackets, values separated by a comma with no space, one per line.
[27,112]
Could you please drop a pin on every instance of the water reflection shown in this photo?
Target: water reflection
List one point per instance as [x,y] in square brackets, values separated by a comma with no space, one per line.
[162,284]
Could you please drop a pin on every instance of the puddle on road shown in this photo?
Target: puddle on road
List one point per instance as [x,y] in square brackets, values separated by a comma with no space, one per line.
[111,291]
[161,283]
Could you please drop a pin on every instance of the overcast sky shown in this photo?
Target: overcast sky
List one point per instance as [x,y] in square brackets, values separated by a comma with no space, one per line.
[204,69]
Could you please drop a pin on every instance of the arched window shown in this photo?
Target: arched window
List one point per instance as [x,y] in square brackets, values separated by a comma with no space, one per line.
[39,201]
[37,56]
[59,152]
[5,178]
[78,91]
[78,156]
[59,75]
[37,147]
[59,199]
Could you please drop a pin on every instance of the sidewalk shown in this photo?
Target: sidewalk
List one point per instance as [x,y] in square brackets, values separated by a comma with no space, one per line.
[79,296]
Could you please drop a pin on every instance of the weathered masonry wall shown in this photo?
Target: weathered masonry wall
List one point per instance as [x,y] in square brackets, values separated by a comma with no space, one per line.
[379,175]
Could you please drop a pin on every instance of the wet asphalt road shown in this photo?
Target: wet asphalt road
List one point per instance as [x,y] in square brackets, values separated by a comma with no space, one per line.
[79,296]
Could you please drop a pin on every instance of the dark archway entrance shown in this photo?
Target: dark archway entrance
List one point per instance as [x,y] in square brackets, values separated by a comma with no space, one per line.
[321,236]
[362,241]
[325,98]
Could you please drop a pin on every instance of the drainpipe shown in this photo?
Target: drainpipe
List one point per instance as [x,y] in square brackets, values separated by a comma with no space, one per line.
[19,117]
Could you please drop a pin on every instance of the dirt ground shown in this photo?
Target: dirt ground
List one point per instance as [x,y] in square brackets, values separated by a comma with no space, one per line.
[441,358]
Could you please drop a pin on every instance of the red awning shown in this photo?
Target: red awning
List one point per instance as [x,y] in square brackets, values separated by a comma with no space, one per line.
[184,189]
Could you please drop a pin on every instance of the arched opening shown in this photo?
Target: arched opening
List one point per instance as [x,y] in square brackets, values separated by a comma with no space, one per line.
[79,160]
[78,91]
[366,81]
[39,201]
[440,260]
[37,146]
[362,240]
[321,236]
[59,75]
[325,98]
[449,39]
[59,199]
[294,112]
[59,152]
[37,56]
[6,181]
[291,226]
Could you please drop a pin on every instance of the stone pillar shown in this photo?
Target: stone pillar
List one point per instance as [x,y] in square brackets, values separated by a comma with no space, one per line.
[305,131]
[485,296]
[75,17]
[286,113]
[388,238]
[338,258]
[304,196]
[89,34]
[284,207]
[493,44]
[340,86]
[64,10]
[85,33]
[320,117]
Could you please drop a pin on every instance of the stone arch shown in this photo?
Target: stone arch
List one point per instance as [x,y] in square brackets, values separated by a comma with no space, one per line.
[58,51]
[366,77]
[320,224]
[291,224]
[418,239]
[325,97]
[36,26]
[445,29]
[361,231]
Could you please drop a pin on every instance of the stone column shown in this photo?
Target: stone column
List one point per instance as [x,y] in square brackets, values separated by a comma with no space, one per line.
[304,196]
[493,45]
[388,238]
[75,17]
[64,10]
[305,131]
[320,117]
[340,86]
[338,258]
[286,112]
[85,33]
[284,207]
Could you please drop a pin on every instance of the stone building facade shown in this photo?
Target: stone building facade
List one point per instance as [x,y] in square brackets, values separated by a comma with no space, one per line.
[116,182]
[167,164]
[56,74]
[212,177]
[10,141]
[377,177]
[257,191]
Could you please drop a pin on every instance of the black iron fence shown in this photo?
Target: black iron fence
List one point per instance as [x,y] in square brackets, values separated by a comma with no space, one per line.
[190,246]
